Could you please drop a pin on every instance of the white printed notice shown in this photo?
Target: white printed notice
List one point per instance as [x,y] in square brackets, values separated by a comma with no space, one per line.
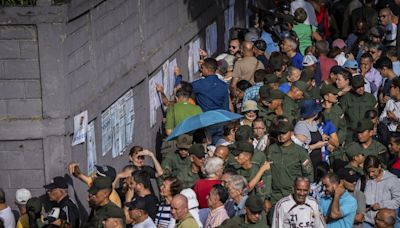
[154,98]
[91,149]
[80,128]
[171,77]
[118,125]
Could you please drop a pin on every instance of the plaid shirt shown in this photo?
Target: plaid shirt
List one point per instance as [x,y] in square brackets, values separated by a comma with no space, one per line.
[252,92]
[216,217]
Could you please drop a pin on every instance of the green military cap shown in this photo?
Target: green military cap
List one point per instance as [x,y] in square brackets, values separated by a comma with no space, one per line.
[240,147]
[357,81]
[306,75]
[197,150]
[34,205]
[353,149]
[114,212]
[301,86]
[275,94]
[271,78]
[284,126]
[254,204]
[244,133]
[184,141]
[100,183]
[364,124]
[264,91]
[326,88]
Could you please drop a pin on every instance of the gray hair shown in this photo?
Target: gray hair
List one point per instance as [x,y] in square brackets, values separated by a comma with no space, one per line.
[322,46]
[292,43]
[292,69]
[238,182]
[212,165]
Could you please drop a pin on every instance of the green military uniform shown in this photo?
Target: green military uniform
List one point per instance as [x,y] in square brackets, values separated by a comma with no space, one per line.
[375,148]
[173,164]
[336,115]
[307,76]
[258,159]
[315,93]
[290,109]
[355,106]
[100,213]
[186,174]
[263,187]
[288,163]
[354,149]
[254,205]
[273,95]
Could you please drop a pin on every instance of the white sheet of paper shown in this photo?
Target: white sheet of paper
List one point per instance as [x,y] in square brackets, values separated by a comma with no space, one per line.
[166,84]
[106,131]
[211,38]
[80,128]
[91,149]
[171,77]
[129,107]
[229,16]
[196,55]
[154,98]
[190,62]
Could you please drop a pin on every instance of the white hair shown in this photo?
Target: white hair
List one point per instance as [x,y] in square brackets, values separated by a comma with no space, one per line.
[292,43]
[212,165]
[238,182]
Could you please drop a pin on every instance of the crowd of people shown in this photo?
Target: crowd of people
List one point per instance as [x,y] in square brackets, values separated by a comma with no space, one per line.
[318,144]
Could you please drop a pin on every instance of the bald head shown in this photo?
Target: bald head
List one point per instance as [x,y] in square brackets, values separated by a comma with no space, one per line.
[385,218]
[179,206]
[247,47]
[222,152]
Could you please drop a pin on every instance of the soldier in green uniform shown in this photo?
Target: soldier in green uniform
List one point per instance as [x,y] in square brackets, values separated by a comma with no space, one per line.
[262,104]
[254,216]
[290,104]
[289,161]
[369,146]
[245,134]
[332,111]
[189,175]
[179,160]
[102,207]
[355,104]
[274,104]
[356,157]
[243,153]
[307,76]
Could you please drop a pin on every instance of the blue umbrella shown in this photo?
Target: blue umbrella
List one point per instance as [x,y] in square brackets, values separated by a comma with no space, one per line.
[204,119]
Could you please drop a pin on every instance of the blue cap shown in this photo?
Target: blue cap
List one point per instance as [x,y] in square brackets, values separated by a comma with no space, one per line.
[351,63]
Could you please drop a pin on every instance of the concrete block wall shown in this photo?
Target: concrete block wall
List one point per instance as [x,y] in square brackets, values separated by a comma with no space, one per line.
[64,59]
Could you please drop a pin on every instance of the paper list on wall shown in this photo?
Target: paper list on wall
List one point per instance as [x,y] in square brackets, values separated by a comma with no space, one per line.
[80,128]
[211,38]
[118,125]
[91,149]
[171,76]
[196,54]
[154,98]
[190,62]
[229,16]
[165,69]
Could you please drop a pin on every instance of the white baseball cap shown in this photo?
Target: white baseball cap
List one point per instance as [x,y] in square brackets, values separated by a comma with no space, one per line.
[22,196]
[191,196]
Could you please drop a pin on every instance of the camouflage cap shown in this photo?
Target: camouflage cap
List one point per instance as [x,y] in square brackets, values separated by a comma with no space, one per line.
[357,81]
[325,89]
[275,94]
[284,127]
[240,147]
[301,86]
[353,149]
[114,212]
[244,133]
[306,75]
[197,150]
[264,91]
[364,124]
[184,141]
[254,204]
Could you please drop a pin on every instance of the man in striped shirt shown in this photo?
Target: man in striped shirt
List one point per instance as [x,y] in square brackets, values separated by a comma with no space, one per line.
[298,209]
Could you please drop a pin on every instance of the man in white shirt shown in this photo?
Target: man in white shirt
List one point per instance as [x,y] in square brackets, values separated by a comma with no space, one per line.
[311,17]
[138,212]
[5,212]
[298,209]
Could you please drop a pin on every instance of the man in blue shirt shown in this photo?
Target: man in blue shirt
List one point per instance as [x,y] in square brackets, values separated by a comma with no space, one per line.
[211,93]
[338,207]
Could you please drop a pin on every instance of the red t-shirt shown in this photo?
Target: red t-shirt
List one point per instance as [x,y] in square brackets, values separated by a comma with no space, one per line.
[202,188]
[326,64]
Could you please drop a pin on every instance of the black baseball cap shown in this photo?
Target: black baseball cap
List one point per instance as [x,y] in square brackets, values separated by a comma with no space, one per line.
[197,150]
[57,182]
[348,175]
[106,171]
